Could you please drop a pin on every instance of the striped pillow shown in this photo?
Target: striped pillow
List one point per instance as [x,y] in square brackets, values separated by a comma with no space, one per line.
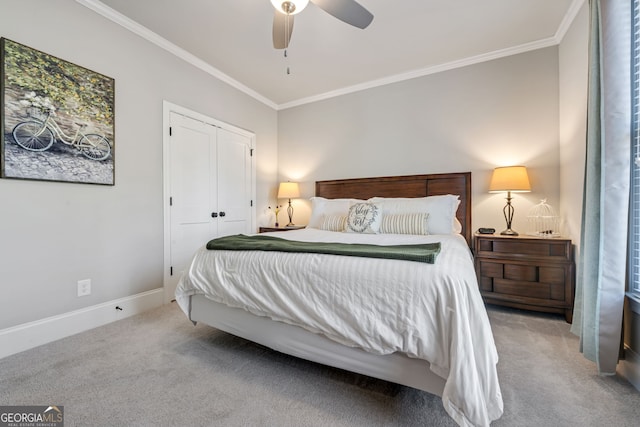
[333,222]
[415,223]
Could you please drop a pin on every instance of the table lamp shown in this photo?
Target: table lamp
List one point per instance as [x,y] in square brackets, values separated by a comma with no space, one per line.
[289,190]
[512,179]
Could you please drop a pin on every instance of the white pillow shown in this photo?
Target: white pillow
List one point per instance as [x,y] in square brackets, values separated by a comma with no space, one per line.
[321,207]
[441,210]
[333,222]
[415,223]
[364,218]
[457,226]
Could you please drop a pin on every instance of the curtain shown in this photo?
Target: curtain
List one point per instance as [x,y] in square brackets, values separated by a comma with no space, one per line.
[602,263]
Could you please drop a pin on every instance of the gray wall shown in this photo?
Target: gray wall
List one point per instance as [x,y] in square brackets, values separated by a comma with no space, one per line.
[497,113]
[53,234]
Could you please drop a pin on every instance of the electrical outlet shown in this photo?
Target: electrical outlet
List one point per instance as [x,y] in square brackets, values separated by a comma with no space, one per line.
[84,287]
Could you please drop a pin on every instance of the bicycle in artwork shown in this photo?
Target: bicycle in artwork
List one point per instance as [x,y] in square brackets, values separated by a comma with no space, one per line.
[41,131]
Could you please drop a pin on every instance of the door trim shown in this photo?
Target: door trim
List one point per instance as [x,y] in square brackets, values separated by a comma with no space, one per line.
[167,109]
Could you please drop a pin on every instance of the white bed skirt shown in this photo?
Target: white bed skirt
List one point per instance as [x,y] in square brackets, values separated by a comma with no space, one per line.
[298,342]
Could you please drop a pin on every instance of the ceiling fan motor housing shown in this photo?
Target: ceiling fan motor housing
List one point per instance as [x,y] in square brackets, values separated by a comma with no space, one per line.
[289,7]
[348,11]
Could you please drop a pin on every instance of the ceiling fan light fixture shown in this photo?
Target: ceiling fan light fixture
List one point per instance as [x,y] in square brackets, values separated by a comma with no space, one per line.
[289,7]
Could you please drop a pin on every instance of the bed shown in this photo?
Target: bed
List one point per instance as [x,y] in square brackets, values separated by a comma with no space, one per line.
[319,307]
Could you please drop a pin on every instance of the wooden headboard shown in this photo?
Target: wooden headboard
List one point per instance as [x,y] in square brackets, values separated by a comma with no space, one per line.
[405,186]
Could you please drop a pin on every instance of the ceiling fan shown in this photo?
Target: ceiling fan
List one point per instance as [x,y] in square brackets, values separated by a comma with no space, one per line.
[348,11]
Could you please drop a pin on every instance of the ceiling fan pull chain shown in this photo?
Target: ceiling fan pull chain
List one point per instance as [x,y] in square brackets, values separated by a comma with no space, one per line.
[285,55]
[287,39]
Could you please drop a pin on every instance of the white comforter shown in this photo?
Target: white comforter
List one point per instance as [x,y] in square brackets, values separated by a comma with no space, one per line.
[428,311]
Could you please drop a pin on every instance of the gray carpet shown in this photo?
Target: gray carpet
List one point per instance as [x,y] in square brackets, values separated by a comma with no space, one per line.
[157,369]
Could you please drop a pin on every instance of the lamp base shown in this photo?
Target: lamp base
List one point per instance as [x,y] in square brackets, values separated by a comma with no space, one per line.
[508,216]
[509,232]
[290,213]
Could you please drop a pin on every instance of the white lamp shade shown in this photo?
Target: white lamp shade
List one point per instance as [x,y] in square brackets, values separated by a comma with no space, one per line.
[288,190]
[299,5]
[510,178]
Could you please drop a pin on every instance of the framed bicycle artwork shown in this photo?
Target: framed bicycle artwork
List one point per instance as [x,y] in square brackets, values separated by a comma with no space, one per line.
[57,119]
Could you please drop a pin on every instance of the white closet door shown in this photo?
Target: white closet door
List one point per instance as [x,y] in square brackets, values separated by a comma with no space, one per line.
[210,188]
[193,189]
[234,183]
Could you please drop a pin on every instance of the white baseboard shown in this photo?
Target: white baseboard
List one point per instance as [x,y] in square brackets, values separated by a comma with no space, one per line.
[630,367]
[29,335]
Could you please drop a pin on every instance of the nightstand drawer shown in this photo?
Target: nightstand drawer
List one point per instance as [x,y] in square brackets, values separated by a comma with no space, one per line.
[520,248]
[491,269]
[554,275]
[527,273]
[523,289]
[540,248]
[523,280]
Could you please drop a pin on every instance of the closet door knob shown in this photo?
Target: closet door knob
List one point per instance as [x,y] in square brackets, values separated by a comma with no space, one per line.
[222,214]
[214,214]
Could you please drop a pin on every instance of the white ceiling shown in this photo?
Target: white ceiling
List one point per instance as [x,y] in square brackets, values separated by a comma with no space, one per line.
[232,40]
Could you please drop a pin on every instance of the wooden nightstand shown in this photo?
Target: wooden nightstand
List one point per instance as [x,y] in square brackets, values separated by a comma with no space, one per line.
[526,272]
[270,229]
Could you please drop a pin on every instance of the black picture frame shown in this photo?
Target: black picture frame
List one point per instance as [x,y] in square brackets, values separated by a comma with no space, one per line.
[57,119]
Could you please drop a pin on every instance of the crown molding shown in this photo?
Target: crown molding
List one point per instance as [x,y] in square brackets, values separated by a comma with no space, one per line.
[571,14]
[154,38]
[163,43]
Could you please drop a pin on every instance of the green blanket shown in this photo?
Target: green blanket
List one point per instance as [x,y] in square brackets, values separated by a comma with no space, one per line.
[421,253]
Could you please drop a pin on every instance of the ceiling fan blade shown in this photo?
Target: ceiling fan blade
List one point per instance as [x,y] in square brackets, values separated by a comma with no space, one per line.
[348,11]
[282,29]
